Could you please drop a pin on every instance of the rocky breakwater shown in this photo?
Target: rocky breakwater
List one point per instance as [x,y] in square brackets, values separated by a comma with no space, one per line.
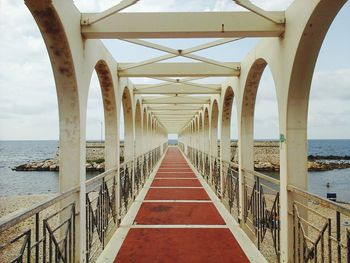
[94,160]
[266,158]
[328,162]
[45,165]
[53,165]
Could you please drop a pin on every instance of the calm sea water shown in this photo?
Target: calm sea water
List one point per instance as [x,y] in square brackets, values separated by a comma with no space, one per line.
[13,153]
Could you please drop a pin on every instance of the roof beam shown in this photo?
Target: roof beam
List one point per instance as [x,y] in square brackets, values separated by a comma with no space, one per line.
[145,87]
[175,120]
[187,81]
[174,103]
[175,53]
[170,117]
[175,109]
[111,11]
[181,70]
[183,25]
[172,107]
[174,114]
[178,89]
[273,17]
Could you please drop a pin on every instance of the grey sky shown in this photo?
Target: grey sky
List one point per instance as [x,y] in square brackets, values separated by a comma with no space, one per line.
[28,103]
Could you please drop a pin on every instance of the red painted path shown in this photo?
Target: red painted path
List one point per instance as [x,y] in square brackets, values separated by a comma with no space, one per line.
[176,197]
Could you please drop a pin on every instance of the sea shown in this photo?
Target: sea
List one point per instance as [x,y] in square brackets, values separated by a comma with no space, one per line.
[13,153]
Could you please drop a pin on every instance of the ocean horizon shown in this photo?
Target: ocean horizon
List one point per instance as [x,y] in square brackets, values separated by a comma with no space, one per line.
[16,152]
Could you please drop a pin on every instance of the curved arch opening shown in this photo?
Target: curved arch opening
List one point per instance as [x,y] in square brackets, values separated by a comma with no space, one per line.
[260,150]
[328,128]
[150,131]
[200,142]
[144,130]
[226,125]
[95,154]
[214,129]
[206,139]
[266,126]
[126,127]
[138,129]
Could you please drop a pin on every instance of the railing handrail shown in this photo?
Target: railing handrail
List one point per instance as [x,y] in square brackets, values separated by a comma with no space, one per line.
[235,165]
[16,217]
[261,175]
[101,175]
[132,159]
[325,202]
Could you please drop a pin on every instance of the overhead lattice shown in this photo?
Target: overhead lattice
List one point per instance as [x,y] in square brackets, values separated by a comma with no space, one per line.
[178,96]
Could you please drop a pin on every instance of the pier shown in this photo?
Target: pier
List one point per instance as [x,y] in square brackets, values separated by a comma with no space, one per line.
[188,202]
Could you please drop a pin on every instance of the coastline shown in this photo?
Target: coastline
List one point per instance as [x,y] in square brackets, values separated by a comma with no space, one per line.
[266,155]
[315,163]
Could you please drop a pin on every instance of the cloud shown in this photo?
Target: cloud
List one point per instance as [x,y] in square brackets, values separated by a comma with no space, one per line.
[333,84]
[28,103]
[179,5]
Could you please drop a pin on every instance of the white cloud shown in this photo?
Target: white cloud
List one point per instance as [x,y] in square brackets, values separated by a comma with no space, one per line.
[178,5]
[28,103]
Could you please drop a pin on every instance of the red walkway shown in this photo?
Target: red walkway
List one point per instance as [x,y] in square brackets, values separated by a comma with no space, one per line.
[177,222]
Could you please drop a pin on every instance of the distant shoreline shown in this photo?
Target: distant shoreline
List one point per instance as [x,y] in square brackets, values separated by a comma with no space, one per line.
[315,163]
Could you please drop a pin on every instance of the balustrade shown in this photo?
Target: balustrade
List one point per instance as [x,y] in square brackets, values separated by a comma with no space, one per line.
[47,232]
[320,228]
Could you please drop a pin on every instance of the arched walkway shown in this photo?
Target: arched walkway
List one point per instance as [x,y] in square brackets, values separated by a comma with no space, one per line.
[260,213]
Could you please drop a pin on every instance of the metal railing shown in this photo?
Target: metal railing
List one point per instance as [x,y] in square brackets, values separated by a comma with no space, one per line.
[126,187]
[320,228]
[200,161]
[181,146]
[190,154]
[261,212]
[165,146]
[230,191]
[206,172]
[215,175]
[46,232]
[101,212]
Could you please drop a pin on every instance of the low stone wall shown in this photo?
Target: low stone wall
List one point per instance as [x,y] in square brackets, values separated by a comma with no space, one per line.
[94,159]
[266,158]
[95,150]
[264,151]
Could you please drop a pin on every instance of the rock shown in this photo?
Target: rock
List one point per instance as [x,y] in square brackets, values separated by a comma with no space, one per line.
[53,167]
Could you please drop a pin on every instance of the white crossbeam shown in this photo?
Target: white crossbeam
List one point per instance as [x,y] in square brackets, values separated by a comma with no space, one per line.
[182,70]
[111,11]
[183,25]
[277,18]
[179,89]
[176,53]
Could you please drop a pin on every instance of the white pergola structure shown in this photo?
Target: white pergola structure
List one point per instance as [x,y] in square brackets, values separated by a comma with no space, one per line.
[179,103]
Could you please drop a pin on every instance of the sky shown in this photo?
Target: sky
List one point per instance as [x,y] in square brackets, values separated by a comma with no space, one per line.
[28,102]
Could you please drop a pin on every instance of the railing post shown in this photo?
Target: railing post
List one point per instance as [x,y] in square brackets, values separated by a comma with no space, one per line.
[221,178]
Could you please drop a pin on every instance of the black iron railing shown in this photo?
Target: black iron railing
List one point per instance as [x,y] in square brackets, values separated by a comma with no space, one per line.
[46,232]
[320,227]
[101,212]
[181,146]
[230,191]
[206,172]
[215,175]
[42,233]
[261,212]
